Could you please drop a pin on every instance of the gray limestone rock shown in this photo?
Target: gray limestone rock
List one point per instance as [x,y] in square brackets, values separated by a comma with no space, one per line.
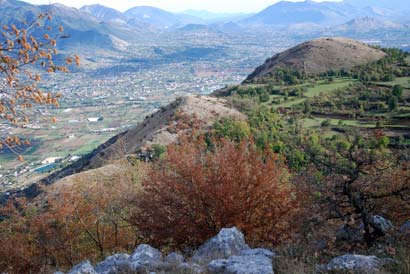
[114,264]
[228,242]
[381,223]
[83,268]
[250,262]
[353,263]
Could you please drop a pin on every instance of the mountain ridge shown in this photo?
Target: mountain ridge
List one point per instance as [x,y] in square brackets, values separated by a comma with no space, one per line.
[81,27]
[104,13]
[163,127]
[325,13]
[158,17]
[367,24]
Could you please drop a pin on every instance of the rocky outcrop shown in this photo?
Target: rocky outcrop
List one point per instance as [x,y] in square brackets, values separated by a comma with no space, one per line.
[146,255]
[353,263]
[381,224]
[83,268]
[114,264]
[255,261]
[230,241]
[226,253]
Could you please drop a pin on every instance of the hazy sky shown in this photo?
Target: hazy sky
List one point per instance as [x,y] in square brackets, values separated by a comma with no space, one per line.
[174,5]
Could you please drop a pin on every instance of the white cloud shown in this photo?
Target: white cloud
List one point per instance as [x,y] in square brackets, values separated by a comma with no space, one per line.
[174,5]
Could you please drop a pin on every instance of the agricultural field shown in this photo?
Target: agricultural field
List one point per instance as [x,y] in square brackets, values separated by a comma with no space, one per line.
[403,81]
[338,102]
[322,87]
[78,131]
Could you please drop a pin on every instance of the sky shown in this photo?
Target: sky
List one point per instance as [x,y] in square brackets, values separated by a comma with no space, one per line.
[174,5]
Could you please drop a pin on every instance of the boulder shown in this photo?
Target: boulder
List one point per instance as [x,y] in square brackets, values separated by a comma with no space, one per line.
[353,263]
[380,223]
[146,255]
[145,258]
[115,264]
[83,268]
[253,261]
[228,242]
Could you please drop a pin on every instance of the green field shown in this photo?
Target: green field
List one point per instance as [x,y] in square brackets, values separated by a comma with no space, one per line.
[290,103]
[393,120]
[403,81]
[321,87]
[316,122]
[328,87]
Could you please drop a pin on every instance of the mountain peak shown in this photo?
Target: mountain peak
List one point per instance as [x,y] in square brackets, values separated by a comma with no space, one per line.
[104,13]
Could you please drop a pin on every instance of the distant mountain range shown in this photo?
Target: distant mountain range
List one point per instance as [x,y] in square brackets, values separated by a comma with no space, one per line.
[230,27]
[159,18]
[212,16]
[281,13]
[83,29]
[368,24]
[399,5]
[100,26]
[322,13]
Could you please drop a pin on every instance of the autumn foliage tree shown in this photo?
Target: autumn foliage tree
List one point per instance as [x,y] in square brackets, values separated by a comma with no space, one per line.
[25,53]
[201,187]
[83,219]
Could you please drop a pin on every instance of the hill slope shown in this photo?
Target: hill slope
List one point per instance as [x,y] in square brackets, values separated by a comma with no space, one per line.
[319,56]
[163,127]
